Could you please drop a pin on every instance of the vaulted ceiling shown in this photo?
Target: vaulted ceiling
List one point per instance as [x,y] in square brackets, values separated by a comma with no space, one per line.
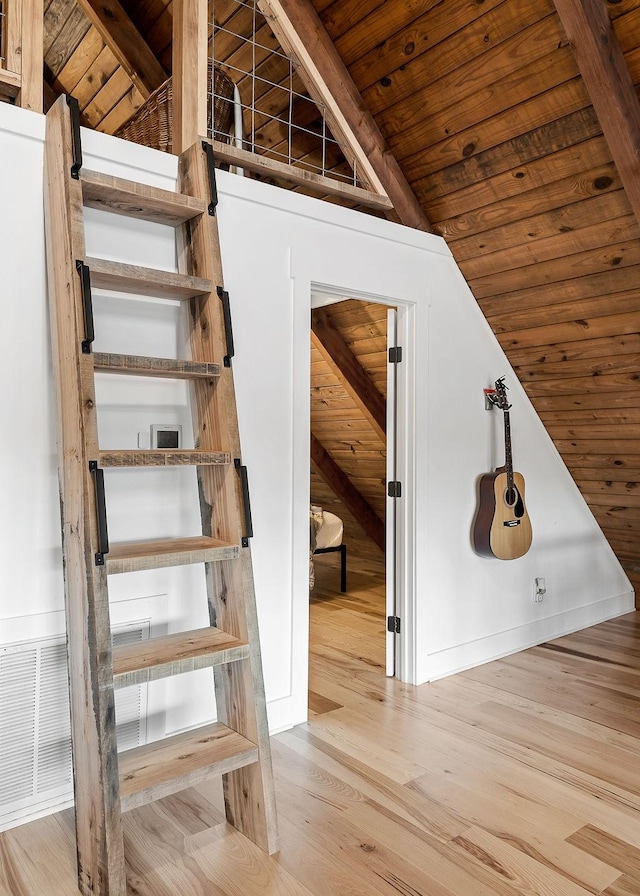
[497,120]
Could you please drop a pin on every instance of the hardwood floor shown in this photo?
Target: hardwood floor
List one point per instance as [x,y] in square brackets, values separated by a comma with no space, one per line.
[519,777]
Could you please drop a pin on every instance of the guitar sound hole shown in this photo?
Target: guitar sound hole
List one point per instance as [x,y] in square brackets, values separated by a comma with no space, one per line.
[510,496]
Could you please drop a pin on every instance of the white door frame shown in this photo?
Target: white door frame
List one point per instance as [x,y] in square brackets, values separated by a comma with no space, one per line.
[391,503]
[323,293]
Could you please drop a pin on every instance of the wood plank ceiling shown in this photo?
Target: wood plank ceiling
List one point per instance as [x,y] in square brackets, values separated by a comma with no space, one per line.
[483,105]
[342,423]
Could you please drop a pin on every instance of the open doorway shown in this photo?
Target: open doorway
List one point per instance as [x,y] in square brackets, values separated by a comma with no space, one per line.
[353,483]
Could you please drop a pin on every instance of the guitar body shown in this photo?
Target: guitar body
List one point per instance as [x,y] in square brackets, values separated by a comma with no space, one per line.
[502,528]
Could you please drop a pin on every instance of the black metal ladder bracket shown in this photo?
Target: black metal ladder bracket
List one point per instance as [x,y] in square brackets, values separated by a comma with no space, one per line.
[213,185]
[246,502]
[87,305]
[101,511]
[76,142]
[228,328]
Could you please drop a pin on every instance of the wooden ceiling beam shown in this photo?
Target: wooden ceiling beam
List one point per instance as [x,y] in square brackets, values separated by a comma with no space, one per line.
[126,43]
[300,32]
[608,81]
[343,488]
[349,371]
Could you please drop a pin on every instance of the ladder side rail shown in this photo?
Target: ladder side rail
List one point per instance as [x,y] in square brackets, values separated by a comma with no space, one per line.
[95,760]
[22,46]
[249,792]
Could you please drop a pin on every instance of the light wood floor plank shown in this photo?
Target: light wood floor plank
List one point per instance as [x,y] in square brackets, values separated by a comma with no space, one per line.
[608,721]
[382,865]
[376,787]
[324,873]
[224,857]
[31,862]
[545,844]
[518,778]
[618,712]
[526,873]
[619,853]
[624,886]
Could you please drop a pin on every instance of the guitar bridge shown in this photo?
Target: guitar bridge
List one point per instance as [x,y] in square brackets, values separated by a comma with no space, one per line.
[511,523]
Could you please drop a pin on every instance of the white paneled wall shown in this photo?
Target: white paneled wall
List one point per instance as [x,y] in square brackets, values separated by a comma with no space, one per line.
[460,609]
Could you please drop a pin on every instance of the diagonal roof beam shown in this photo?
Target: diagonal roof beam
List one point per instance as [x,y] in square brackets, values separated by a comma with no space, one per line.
[126,43]
[300,32]
[341,485]
[349,371]
[609,84]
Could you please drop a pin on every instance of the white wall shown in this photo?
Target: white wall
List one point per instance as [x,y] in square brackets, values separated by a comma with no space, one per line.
[479,609]
[275,245]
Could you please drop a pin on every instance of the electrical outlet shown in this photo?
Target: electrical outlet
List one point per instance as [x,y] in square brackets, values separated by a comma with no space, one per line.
[539,590]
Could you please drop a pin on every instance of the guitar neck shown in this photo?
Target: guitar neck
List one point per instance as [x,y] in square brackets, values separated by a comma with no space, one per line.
[508,460]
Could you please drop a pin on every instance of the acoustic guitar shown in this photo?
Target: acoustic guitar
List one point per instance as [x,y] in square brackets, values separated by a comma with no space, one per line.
[502,526]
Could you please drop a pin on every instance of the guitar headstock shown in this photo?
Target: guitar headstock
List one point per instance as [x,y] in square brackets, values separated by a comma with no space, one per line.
[501,401]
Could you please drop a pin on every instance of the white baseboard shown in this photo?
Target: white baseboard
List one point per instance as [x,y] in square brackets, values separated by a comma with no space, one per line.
[474,653]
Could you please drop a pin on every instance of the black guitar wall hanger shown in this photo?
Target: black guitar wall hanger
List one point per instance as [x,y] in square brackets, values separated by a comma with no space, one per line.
[490,398]
[496,397]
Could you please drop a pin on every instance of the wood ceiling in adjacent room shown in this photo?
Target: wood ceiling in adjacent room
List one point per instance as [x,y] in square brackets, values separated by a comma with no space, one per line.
[483,105]
[350,435]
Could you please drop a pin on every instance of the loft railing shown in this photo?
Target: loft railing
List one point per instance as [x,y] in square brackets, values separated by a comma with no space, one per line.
[21,52]
[191,22]
[274,115]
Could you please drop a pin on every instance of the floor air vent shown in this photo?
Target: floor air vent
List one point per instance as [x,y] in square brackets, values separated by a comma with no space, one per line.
[35,737]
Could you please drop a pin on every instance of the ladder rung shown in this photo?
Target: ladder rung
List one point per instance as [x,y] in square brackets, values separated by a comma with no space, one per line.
[126,197]
[167,766]
[137,365]
[145,281]
[163,458]
[130,556]
[147,661]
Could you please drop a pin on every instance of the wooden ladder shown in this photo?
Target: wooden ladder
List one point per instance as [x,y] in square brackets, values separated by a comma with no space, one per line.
[237,745]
